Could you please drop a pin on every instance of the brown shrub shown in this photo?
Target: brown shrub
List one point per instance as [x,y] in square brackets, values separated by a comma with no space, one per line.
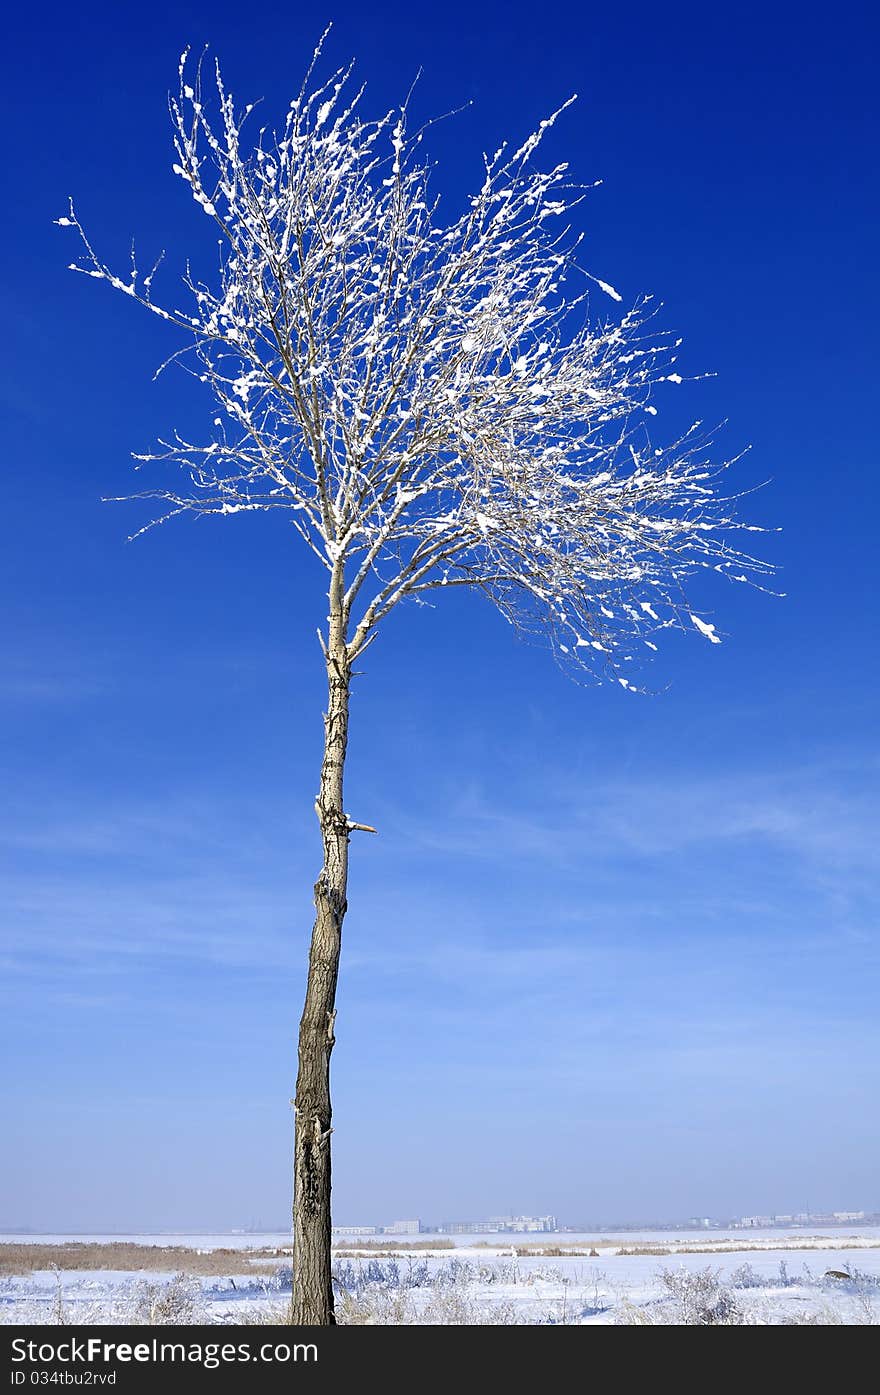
[18,1258]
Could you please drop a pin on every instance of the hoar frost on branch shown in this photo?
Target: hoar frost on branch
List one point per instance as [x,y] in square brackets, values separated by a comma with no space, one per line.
[427,400]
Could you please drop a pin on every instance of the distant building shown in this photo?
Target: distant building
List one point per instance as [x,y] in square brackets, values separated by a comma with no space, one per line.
[523,1225]
[354,1230]
[803,1217]
[404,1228]
[466,1228]
[539,1223]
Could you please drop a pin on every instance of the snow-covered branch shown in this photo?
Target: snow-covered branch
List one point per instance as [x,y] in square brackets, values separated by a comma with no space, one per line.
[433,402]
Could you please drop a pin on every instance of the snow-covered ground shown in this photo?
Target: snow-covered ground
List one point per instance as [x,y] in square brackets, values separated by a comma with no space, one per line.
[753,1238]
[771,1277]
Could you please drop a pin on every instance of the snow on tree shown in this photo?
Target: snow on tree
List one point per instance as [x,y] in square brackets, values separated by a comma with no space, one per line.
[433,403]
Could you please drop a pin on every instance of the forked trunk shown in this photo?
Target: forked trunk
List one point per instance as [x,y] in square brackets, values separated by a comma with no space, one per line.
[312,1302]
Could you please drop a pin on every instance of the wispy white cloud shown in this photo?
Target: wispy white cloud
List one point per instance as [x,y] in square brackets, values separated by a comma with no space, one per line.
[546,884]
[826,814]
[52,688]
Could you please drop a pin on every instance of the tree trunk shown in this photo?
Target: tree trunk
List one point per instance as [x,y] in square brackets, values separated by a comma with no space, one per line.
[312,1302]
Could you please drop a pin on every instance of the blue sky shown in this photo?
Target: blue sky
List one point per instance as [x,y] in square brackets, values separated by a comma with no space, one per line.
[613,957]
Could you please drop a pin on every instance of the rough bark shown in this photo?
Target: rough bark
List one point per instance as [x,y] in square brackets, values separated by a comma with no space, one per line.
[312,1302]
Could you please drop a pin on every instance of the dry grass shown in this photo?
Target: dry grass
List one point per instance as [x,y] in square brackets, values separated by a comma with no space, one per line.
[655,1250]
[732,1248]
[606,1246]
[24,1259]
[386,1249]
[448,1307]
[576,1247]
[552,1252]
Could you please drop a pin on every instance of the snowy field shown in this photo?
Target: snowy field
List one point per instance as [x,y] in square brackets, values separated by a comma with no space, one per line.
[853,1236]
[686,1278]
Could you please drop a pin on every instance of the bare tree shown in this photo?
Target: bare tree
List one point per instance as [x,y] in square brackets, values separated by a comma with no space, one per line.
[432,404]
